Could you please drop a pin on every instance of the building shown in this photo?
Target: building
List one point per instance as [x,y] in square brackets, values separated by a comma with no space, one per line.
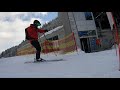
[89,28]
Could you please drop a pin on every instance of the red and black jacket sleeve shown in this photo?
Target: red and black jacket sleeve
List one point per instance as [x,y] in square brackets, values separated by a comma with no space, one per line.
[41,30]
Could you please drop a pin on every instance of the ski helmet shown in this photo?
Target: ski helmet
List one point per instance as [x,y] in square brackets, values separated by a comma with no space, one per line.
[36,23]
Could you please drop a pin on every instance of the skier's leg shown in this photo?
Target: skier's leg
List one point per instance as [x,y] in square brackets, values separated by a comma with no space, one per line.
[37,47]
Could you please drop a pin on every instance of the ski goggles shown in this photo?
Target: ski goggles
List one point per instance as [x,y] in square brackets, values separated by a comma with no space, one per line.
[38,24]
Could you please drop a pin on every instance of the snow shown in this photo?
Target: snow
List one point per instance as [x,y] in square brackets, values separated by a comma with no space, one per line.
[53,30]
[104,64]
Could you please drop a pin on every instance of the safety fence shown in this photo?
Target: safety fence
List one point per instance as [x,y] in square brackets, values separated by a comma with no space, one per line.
[68,44]
[64,45]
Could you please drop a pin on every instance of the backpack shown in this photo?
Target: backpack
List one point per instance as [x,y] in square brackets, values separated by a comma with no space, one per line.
[27,37]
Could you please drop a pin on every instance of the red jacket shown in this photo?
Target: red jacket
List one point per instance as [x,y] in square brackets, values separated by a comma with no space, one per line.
[98,41]
[33,32]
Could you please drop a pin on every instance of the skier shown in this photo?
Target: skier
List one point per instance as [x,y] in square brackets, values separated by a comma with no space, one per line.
[32,35]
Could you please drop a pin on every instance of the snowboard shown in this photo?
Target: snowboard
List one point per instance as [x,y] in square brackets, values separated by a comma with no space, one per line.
[53,60]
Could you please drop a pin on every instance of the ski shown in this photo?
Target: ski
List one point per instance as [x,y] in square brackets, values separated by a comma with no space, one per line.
[53,60]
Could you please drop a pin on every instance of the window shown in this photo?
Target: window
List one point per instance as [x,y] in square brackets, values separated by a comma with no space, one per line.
[91,32]
[55,38]
[86,33]
[50,39]
[83,33]
[88,15]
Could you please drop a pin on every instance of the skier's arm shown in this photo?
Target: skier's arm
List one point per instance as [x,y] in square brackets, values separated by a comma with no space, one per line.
[42,30]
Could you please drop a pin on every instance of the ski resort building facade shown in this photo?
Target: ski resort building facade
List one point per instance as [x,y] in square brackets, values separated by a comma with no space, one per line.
[93,30]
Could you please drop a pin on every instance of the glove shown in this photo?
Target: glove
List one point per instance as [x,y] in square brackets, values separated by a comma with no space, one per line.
[46,30]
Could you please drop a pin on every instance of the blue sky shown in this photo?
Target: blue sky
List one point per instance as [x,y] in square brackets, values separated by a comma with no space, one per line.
[12,25]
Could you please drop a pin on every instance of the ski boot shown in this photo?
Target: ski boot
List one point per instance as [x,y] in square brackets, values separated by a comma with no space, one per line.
[39,60]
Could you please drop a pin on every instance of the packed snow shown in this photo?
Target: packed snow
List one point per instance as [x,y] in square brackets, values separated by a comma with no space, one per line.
[53,30]
[103,64]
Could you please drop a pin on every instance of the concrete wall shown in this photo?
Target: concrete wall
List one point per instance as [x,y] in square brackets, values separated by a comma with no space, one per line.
[64,19]
[82,23]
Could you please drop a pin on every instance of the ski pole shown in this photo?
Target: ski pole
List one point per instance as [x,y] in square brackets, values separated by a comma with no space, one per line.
[40,43]
[50,46]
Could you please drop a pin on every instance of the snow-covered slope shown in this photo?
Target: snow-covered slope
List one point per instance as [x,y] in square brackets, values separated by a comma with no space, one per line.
[102,64]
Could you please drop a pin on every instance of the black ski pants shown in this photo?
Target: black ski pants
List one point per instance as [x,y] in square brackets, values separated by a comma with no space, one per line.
[37,46]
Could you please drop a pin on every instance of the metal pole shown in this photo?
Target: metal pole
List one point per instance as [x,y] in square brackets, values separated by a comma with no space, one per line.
[117,38]
[115,32]
[78,41]
[99,22]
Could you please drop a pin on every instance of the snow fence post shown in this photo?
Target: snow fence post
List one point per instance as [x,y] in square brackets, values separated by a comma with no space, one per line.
[119,56]
[115,26]
[74,41]
[117,38]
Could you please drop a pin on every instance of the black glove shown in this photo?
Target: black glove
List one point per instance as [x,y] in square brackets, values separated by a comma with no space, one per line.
[46,30]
